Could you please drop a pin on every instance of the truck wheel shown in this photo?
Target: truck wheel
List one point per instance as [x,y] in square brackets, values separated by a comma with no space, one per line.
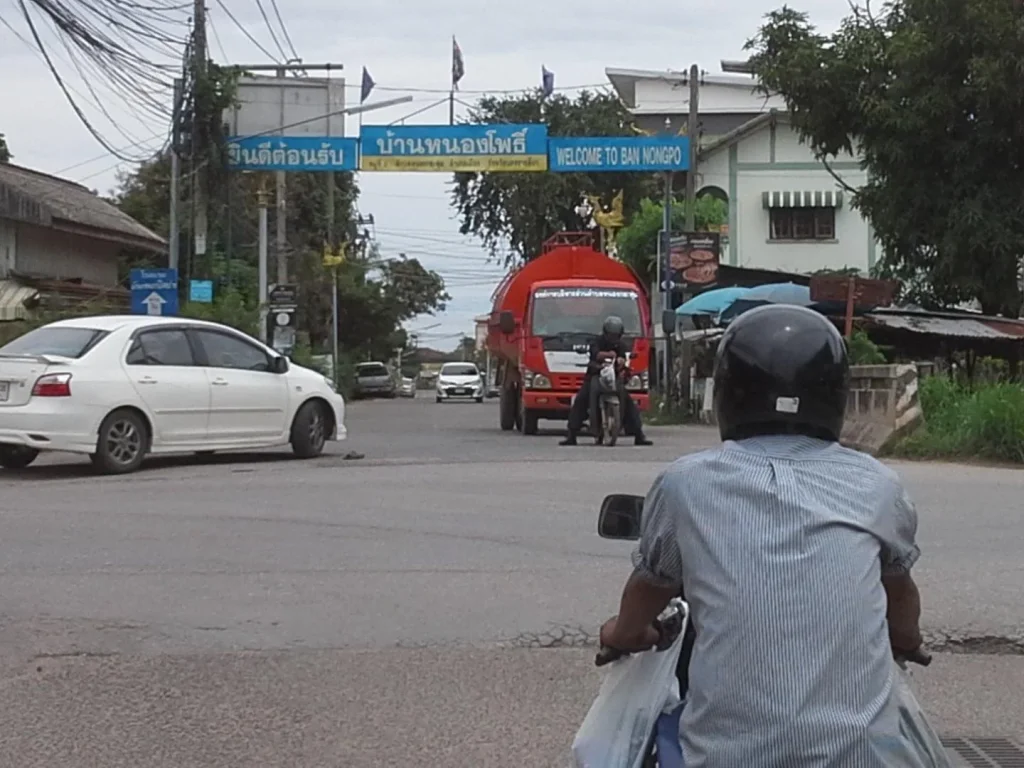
[528,421]
[507,409]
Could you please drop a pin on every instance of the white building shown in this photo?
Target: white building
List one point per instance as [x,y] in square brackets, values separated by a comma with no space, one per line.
[786,211]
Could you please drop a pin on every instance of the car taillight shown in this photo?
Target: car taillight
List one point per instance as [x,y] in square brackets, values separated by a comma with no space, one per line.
[53,385]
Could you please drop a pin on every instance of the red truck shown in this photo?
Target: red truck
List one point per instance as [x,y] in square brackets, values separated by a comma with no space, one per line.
[545,315]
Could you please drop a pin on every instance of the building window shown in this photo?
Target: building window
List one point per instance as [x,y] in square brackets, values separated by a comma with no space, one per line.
[802,223]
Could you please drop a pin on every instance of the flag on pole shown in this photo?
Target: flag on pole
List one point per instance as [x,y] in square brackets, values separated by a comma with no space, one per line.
[547,81]
[458,66]
[367,86]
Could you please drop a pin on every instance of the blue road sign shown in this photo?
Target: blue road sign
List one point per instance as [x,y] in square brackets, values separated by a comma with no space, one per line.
[589,154]
[154,291]
[481,148]
[200,291]
[292,153]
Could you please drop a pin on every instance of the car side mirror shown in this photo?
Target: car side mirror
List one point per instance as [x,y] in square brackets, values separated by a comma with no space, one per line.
[279,364]
[668,322]
[620,517]
[507,322]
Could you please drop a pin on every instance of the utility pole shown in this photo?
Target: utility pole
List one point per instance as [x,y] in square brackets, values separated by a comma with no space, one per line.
[173,245]
[664,274]
[693,131]
[263,201]
[200,140]
[281,230]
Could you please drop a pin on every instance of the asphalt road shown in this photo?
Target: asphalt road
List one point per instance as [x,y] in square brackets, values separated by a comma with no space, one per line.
[256,610]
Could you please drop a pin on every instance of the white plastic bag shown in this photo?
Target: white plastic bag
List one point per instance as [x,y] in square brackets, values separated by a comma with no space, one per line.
[635,691]
[914,725]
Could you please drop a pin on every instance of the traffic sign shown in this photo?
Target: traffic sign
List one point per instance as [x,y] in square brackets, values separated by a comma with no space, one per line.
[154,291]
[590,154]
[201,291]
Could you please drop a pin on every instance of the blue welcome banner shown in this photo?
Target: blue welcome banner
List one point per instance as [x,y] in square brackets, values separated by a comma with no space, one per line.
[480,148]
[292,153]
[590,154]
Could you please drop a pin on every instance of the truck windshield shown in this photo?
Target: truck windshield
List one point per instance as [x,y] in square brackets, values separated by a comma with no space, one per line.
[563,311]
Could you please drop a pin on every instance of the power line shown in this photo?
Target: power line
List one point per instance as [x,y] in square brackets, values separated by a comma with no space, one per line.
[284,29]
[270,28]
[246,32]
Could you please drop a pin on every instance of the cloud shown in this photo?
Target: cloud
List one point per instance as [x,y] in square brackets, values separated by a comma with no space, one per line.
[405,45]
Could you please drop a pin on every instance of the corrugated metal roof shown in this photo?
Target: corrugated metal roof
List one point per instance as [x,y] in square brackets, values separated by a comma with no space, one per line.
[73,203]
[13,296]
[966,327]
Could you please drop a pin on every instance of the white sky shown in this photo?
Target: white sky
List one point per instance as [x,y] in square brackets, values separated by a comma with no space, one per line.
[405,44]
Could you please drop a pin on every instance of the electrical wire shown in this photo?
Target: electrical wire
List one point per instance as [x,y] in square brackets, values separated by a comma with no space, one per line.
[270,28]
[284,29]
[246,32]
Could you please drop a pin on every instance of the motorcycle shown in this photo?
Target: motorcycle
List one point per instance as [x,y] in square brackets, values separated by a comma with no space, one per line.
[605,405]
[634,722]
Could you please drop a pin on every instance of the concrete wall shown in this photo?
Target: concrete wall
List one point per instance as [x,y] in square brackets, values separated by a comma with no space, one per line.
[64,256]
[882,404]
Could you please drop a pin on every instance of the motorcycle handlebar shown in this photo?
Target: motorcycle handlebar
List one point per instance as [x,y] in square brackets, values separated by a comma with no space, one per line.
[606,655]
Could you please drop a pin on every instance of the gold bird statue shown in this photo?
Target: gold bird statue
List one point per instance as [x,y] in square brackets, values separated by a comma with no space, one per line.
[611,220]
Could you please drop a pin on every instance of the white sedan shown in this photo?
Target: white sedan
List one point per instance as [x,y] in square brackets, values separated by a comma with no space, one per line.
[119,388]
[459,380]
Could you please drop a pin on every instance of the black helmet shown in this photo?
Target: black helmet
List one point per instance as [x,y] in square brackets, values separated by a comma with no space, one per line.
[613,327]
[781,369]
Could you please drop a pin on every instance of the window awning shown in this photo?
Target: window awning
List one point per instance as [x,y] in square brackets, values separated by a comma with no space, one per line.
[13,297]
[827,198]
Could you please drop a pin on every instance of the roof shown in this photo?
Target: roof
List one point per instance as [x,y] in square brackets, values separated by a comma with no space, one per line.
[116,322]
[950,324]
[740,132]
[56,203]
[624,80]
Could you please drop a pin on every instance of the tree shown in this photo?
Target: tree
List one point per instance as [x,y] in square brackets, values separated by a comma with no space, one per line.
[375,295]
[514,213]
[5,153]
[928,94]
[638,241]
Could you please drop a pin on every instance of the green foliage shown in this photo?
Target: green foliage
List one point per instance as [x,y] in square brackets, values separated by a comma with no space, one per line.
[638,242]
[986,422]
[5,153]
[863,351]
[230,307]
[927,93]
[514,213]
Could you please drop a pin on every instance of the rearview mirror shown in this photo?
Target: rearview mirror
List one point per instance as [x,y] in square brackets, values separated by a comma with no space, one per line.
[279,364]
[668,322]
[507,322]
[620,517]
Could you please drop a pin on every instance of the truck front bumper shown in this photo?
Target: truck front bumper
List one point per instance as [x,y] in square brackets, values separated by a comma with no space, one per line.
[548,400]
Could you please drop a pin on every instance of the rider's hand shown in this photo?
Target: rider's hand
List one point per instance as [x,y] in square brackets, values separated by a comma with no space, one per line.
[611,637]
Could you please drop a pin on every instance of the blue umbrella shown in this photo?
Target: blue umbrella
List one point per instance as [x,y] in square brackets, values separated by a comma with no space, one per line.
[773,293]
[711,302]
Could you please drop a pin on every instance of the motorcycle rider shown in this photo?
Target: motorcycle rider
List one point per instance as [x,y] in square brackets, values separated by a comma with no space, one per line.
[794,554]
[608,346]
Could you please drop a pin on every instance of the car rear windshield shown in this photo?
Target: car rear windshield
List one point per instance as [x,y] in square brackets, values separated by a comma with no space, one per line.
[375,369]
[459,370]
[65,342]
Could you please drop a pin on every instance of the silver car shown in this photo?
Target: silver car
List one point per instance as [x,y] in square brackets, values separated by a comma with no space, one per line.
[374,380]
[408,388]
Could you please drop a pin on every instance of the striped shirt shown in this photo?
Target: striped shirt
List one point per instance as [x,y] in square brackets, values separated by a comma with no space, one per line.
[779,543]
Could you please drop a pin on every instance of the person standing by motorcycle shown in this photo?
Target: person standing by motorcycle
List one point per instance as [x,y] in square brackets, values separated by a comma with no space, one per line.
[795,556]
[608,346]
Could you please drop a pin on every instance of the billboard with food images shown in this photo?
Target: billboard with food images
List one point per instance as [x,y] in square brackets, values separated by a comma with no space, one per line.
[692,259]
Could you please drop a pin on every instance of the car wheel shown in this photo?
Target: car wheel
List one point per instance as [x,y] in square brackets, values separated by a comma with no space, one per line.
[309,431]
[437,399]
[17,456]
[122,443]
[479,399]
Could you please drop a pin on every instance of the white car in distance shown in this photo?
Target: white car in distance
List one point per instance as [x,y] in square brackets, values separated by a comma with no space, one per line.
[121,387]
[460,380]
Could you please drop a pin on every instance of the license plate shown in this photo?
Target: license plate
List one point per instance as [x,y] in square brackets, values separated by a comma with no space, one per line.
[5,391]
[461,391]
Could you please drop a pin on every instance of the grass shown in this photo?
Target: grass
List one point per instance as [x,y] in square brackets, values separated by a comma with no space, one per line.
[981,422]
